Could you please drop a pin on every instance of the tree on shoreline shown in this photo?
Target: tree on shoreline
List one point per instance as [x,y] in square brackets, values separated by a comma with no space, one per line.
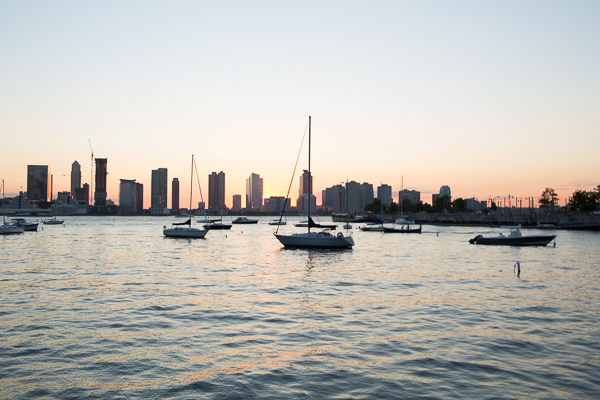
[584,200]
[548,198]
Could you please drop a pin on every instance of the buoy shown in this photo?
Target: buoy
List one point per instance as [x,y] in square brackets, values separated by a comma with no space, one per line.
[518,268]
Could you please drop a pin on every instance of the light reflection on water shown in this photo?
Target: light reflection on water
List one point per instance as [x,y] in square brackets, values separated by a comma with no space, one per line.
[108,307]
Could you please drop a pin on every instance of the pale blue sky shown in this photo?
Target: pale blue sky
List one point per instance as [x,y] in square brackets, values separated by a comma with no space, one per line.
[489,98]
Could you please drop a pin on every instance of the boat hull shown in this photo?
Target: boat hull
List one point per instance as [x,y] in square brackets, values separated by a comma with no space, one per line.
[10,229]
[217,226]
[396,230]
[532,240]
[316,240]
[184,232]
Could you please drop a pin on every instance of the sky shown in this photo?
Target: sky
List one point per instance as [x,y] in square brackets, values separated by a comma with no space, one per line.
[491,98]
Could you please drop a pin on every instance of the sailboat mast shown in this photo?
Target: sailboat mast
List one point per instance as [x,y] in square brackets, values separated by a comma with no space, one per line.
[309,176]
[191,187]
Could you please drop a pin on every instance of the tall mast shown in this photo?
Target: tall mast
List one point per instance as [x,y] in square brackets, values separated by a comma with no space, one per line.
[309,176]
[191,187]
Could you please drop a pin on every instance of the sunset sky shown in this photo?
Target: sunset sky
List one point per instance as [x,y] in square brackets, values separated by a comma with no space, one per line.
[489,98]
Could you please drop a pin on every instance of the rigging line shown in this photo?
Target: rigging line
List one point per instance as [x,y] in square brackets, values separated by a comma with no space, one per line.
[292,180]
[199,187]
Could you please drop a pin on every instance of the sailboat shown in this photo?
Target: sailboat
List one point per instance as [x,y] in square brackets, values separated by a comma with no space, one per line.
[178,229]
[323,239]
[5,228]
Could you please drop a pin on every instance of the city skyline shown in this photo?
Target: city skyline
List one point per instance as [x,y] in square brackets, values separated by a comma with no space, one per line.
[490,99]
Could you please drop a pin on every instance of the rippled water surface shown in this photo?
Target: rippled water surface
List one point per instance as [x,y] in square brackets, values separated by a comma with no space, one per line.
[109,308]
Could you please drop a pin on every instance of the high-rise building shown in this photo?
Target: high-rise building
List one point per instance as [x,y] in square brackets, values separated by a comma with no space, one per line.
[139,198]
[38,182]
[82,194]
[305,193]
[175,194]
[75,177]
[158,191]
[276,204]
[368,194]
[254,192]
[216,191]
[128,197]
[413,195]
[444,191]
[237,202]
[384,194]
[101,173]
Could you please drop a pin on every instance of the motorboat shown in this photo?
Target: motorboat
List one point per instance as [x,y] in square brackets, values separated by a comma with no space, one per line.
[178,230]
[372,227]
[320,240]
[53,221]
[402,230]
[27,226]
[343,217]
[244,220]
[402,221]
[515,238]
[277,222]
[216,226]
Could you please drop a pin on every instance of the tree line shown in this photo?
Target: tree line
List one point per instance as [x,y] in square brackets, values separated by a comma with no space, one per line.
[581,200]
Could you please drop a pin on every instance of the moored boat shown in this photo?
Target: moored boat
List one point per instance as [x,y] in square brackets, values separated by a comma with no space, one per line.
[27,226]
[53,221]
[402,230]
[515,238]
[244,220]
[320,240]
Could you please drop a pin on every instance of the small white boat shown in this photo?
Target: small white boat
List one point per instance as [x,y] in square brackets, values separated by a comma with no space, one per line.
[373,227]
[178,230]
[7,229]
[27,226]
[53,221]
[402,221]
[244,220]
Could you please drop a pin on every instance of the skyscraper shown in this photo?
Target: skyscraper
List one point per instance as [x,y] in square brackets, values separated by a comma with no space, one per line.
[237,202]
[38,184]
[305,193]
[216,191]
[254,192]
[158,191]
[175,194]
[75,178]
[127,197]
[101,173]
[384,193]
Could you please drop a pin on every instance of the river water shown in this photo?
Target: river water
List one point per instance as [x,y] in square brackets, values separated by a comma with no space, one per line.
[106,307]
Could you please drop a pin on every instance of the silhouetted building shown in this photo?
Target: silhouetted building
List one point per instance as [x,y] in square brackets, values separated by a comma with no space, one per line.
[175,194]
[305,193]
[413,195]
[128,197]
[274,204]
[254,192]
[237,202]
[101,174]
[38,183]
[444,191]
[384,194]
[139,198]
[216,191]
[158,191]
[75,177]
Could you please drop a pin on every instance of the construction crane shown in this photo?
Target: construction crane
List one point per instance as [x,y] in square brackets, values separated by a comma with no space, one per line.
[91,174]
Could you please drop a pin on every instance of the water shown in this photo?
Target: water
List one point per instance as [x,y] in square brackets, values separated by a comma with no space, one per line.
[109,308]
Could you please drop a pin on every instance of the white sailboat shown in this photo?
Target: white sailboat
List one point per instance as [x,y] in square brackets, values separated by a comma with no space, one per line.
[178,229]
[323,239]
[5,228]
